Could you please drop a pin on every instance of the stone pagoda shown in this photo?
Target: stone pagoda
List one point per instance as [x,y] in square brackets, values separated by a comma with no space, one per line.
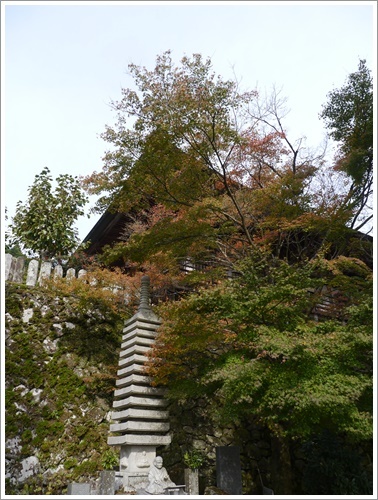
[140,416]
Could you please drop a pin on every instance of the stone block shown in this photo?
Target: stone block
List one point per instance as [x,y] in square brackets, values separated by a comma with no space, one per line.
[142,323]
[58,271]
[140,426]
[135,482]
[32,276]
[146,341]
[8,266]
[29,467]
[140,440]
[135,358]
[18,270]
[71,273]
[142,402]
[191,481]
[137,413]
[135,349]
[27,315]
[45,271]
[138,389]
[134,378]
[78,489]
[130,369]
[107,482]
[81,274]
[137,459]
[137,330]
[228,468]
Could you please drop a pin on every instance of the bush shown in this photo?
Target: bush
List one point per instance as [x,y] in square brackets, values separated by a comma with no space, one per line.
[109,460]
[334,468]
[193,459]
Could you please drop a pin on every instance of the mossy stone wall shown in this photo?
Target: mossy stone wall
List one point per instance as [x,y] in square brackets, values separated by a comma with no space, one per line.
[60,367]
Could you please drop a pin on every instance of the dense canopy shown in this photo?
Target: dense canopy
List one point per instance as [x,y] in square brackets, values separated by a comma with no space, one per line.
[219,190]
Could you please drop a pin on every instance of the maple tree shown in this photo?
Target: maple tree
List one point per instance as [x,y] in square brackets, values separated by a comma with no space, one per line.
[213,176]
[209,175]
[214,162]
[252,345]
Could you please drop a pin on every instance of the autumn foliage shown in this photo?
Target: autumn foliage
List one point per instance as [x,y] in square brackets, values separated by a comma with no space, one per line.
[219,190]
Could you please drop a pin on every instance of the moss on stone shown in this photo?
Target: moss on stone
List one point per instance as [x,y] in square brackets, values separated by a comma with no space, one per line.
[66,378]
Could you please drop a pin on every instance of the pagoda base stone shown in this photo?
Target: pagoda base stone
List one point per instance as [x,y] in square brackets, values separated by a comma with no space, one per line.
[133,482]
[135,463]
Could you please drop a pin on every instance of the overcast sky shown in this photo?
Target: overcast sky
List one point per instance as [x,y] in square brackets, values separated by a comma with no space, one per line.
[62,63]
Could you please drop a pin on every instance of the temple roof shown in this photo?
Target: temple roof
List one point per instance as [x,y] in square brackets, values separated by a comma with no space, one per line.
[112,227]
[107,230]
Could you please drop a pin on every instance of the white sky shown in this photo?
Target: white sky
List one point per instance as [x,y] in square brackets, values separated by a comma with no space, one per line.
[62,63]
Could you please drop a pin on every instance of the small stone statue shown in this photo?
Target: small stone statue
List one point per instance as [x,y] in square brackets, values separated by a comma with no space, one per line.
[158,478]
[142,460]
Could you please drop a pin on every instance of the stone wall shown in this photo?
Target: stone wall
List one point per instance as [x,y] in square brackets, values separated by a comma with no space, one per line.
[192,428]
[60,359]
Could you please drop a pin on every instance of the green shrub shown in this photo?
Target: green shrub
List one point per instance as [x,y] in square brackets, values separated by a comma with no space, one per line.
[193,459]
[109,460]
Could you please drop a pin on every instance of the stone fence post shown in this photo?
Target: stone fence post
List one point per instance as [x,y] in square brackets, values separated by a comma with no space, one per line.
[70,274]
[32,275]
[8,262]
[18,270]
[58,271]
[37,271]
[45,271]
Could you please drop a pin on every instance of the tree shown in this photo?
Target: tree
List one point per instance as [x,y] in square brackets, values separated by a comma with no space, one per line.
[44,223]
[11,246]
[209,173]
[348,115]
[196,145]
[251,345]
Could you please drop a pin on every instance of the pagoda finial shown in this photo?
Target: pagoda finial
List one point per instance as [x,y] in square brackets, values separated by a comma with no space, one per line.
[144,304]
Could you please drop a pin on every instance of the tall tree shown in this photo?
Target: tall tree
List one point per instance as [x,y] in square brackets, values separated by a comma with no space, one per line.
[207,152]
[348,115]
[44,223]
